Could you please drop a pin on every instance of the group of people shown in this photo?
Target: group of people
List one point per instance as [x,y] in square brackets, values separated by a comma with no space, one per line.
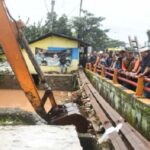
[130,62]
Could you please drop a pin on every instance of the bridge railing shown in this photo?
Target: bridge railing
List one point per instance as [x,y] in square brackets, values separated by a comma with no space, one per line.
[120,76]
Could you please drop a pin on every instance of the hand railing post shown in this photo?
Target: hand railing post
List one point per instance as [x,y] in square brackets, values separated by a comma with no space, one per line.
[140,87]
[115,76]
[103,71]
[90,66]
[95,68]
[87,66]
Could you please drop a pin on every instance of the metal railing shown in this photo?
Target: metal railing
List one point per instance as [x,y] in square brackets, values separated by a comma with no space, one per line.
[117,76]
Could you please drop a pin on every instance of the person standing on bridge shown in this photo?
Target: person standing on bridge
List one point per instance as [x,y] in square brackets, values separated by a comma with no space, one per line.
[127,66]
[109,59]
[63,62]
[93,58]
[128,62]
[120,59]
[144,68]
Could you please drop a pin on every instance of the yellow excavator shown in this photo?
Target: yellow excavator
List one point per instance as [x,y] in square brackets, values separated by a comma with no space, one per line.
[11,40]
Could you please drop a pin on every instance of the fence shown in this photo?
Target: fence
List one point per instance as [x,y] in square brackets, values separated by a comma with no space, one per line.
[116,76]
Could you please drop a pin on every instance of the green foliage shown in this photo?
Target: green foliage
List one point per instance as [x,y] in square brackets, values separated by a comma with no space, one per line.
[62,26]
[33,31]
[51,22]
[1,50]
[88,28]
[9,120]
[114,43]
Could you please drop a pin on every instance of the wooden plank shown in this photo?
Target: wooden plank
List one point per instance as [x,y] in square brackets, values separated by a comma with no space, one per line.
[130,135]
[114,115]
[136,140]
[114,137]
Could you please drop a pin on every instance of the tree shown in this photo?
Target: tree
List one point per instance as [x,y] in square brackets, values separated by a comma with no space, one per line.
[50,22]
[33,31]
[89,29]
[115,43]
[62,26]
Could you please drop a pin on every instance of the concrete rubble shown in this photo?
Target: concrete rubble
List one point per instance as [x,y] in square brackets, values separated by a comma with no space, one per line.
[5,68]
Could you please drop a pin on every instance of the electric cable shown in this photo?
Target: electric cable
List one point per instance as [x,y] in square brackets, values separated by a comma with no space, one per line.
[8,12]
[46,6]
[73,9]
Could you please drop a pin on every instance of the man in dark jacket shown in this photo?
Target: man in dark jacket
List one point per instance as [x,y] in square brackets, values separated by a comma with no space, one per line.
[63,61]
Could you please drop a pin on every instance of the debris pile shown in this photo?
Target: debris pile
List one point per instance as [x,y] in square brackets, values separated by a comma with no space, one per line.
[5,68]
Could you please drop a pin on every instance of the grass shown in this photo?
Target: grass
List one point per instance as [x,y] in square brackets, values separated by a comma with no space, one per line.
[11,120]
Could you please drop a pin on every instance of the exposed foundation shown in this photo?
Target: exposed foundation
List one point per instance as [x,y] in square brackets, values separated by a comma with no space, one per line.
[62,82]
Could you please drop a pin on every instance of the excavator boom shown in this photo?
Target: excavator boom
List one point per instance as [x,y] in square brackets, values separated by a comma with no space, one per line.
[12,50]
[10,38]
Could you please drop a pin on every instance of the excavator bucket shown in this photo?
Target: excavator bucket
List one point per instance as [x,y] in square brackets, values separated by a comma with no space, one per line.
[68,114]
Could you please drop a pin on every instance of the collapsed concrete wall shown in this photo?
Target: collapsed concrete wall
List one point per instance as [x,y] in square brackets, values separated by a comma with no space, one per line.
[8,82]
[135,110]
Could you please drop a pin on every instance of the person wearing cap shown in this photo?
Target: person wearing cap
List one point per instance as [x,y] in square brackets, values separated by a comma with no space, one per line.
[144,68]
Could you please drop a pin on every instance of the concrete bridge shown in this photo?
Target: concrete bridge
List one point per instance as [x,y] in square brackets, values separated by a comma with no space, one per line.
[135,110]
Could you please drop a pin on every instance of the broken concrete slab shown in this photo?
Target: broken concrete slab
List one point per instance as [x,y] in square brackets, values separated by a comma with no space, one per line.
[43,137]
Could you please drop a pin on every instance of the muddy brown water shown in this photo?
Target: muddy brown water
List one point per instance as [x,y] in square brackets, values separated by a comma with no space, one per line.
[16,98]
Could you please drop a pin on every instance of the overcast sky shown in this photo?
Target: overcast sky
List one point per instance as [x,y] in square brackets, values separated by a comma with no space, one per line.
[123,17]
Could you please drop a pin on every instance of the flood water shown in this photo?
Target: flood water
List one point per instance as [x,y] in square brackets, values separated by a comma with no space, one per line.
[17,99]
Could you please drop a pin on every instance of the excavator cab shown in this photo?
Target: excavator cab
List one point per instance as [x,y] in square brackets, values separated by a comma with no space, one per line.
[11,40]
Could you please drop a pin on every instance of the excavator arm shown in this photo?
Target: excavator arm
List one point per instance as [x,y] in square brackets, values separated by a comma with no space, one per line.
[11,36]
[9,33]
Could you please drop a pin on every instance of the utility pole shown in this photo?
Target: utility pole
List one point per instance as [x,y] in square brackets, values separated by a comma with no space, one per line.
[52,14]
[80,10]
[81,2]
